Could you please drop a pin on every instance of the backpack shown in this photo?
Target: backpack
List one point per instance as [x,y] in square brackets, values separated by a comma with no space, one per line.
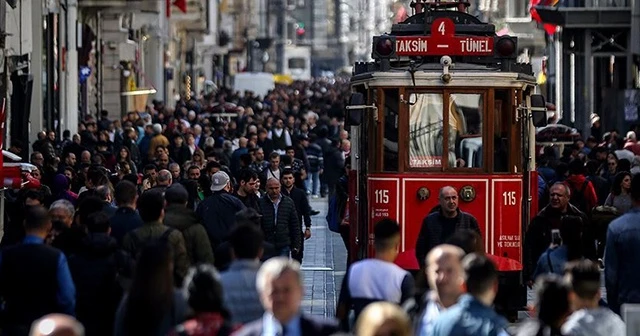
[578,200]
[137,242]
[333,214]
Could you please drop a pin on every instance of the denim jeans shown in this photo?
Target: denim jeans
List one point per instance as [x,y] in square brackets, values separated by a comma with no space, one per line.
[285,252]
[313,183]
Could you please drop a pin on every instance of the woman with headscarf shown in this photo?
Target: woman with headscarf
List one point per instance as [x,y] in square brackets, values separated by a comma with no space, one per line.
[61,189]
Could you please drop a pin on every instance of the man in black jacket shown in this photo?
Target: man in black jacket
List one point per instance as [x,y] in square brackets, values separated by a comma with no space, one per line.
[439,226]
[280,222]
[218,211]
[302,208]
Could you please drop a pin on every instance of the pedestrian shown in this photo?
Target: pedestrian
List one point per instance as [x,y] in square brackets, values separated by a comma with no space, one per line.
[446,279]
[437,227]
[203,291]
[588,317]
[185,220]
[552,308]
[303,209]
[34,278]
[151,208]
[473,314]
[281,289]
[375,279]
[101,271]
[218,211]
[383,318]
[280,221]
[622,278]
[126,218]
[152,306]
[239,281]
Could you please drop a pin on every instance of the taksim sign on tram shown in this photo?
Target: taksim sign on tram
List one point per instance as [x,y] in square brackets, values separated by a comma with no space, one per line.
[443,41]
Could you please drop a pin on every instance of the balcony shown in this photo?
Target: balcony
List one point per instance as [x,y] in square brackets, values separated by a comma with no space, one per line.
[583,14]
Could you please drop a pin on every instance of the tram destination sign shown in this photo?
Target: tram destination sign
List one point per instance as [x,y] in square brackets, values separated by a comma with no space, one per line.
[443,41]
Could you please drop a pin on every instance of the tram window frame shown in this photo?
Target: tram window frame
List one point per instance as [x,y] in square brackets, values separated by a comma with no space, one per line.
[484,96]
[506,98]
[445,167]
[390,103]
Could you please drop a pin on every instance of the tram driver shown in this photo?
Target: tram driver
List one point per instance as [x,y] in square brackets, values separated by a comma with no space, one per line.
[439,226]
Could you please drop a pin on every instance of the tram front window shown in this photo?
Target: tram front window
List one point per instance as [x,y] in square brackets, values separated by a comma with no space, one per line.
[465,128]
[426,134]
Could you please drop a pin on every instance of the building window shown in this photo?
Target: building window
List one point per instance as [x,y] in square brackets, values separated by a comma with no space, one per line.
[517,9]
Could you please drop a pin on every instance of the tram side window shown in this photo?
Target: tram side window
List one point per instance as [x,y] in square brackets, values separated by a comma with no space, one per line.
[426,132]
[501,131]
[465,128]
[391,107]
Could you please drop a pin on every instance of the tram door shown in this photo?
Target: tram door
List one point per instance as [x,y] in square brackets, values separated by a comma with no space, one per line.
[359,117]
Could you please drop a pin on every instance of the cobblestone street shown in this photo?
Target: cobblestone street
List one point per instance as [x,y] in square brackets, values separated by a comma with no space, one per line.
[323,266]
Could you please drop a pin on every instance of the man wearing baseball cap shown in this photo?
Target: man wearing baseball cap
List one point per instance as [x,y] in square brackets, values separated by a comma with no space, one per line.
[218,211]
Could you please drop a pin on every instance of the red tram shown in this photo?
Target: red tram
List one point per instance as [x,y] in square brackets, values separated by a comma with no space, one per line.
[442,66]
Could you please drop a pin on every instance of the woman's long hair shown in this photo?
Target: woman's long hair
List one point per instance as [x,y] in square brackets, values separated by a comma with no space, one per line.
[151,295]
[552,302]
[571,233]
[616,186]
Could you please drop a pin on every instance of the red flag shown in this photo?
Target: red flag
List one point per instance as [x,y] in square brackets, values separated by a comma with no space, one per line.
[168,8]
[181,4]
[548,28]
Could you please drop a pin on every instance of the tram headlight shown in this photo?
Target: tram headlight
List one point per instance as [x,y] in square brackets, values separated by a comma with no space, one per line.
[506,47]
[384,46]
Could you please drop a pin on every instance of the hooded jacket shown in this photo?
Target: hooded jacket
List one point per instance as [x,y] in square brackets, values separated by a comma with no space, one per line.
[195,236]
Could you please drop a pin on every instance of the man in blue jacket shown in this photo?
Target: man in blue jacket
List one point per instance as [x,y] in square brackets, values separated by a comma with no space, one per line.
[473,314]
[34,278]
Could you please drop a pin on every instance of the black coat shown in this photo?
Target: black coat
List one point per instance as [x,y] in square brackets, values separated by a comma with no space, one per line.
[431,232]
[97,269]
[285,231]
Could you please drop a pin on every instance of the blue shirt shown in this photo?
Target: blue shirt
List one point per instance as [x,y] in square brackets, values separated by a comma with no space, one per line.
[621,263]
[66,289]
[469,317]
[272,327]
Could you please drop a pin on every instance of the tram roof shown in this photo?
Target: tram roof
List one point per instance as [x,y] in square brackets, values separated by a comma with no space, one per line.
[460,78]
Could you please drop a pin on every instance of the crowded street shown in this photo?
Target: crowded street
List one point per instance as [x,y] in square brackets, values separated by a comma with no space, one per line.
[320,168]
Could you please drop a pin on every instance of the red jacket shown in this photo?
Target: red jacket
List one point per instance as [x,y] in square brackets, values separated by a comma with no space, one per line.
[576,183]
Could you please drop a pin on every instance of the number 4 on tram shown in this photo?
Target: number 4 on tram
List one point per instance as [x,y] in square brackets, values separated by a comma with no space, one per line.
[449,108]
